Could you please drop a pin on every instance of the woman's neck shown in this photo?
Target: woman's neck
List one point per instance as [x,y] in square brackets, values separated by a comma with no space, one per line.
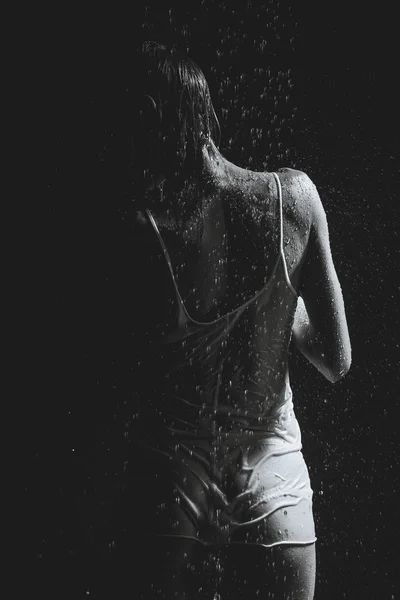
[187,192]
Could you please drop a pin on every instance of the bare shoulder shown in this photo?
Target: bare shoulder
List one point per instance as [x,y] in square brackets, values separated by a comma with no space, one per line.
[299,186]
[140,218]
[141,228]
[301,196]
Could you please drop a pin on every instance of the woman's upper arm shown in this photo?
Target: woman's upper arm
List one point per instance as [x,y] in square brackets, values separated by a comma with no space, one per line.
[321,291]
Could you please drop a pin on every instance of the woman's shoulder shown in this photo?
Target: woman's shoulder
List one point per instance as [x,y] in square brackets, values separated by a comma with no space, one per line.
[293,177]
[299,193]
[297,182]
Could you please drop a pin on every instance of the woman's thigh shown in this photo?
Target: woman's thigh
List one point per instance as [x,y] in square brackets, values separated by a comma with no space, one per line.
[283,572]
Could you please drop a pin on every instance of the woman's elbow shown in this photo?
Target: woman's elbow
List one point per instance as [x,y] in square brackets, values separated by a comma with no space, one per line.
[337,371]
[333,363]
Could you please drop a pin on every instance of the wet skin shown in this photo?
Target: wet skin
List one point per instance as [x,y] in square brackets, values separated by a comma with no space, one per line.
[200,221]
[199,238]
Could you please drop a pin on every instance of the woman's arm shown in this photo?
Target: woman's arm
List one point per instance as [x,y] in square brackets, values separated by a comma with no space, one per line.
[307,343]
[320,328]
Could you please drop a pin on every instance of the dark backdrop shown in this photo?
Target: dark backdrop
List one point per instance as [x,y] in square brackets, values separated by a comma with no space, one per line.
[319,88]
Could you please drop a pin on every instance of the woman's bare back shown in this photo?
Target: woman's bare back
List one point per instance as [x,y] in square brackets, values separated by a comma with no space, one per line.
[223,253]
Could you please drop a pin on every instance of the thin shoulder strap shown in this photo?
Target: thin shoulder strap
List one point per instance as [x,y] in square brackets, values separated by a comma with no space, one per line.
[163,246]
[279,186]
[183,314]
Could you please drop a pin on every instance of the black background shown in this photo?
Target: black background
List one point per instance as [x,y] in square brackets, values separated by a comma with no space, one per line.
[340,125]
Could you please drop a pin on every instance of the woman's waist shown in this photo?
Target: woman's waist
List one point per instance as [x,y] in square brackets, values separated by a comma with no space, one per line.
[214,448]
[223,422]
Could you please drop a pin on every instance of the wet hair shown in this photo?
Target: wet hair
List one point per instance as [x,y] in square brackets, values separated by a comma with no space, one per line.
[174,114]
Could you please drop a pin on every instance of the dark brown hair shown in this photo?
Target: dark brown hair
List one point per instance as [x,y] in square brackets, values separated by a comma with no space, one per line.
[174,114]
